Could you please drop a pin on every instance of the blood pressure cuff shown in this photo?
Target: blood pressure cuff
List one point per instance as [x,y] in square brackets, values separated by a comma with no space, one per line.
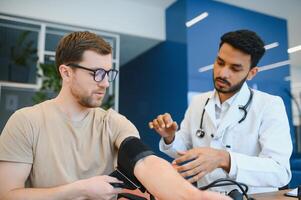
[130,152]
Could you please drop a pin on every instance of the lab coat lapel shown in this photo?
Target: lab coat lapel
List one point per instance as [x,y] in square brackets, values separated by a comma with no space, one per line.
[234,114]
[210,111]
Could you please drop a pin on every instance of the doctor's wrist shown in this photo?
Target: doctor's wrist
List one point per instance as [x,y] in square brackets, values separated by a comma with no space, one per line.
[225,161]
[169,139]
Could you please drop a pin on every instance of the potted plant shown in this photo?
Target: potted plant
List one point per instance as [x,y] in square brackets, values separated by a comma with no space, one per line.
[22,57]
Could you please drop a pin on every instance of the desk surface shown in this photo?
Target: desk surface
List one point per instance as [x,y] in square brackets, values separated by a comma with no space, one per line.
[279,195]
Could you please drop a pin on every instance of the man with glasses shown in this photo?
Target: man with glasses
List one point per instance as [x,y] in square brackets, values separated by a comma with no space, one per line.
[65,147]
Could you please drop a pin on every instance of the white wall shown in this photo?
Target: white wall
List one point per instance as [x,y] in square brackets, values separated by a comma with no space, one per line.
[119,16]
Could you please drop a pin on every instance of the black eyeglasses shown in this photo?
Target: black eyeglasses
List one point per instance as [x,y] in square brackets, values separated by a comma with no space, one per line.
[99,74]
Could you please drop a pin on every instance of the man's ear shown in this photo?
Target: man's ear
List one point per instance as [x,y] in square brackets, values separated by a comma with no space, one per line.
[252,73]
[65,72]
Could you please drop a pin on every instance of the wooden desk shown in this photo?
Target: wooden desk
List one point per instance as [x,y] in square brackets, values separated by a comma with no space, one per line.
[279,195]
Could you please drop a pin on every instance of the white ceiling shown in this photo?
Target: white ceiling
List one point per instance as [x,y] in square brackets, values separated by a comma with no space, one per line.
[156,3]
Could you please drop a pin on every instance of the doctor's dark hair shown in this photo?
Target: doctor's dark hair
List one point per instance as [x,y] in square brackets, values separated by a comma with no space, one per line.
[72,47]
[247,41]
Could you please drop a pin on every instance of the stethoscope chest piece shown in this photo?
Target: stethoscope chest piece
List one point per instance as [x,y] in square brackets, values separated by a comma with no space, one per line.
[200,133]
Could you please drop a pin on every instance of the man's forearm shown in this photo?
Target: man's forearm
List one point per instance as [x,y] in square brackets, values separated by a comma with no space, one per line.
[64,192]
[160,179]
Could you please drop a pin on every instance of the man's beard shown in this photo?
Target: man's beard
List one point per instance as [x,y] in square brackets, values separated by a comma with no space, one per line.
[231,89]
[86,100]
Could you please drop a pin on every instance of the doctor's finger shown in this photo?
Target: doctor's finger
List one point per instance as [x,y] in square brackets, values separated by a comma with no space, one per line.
[197,177]
[192,172]
[167,120]
[161,121]
[189,156]
[150,125]
[174,126]
[189,165]
[155,124]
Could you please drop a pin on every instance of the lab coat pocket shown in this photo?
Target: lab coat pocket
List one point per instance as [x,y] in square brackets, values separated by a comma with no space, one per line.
[244,139]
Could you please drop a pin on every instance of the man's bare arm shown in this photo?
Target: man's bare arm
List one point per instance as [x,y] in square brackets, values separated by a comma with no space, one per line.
[13,176]
[162,180]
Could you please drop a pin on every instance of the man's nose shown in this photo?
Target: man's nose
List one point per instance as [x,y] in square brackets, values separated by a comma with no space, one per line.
[225,72]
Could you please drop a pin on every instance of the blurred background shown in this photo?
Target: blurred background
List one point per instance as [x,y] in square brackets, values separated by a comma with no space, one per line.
[164,50]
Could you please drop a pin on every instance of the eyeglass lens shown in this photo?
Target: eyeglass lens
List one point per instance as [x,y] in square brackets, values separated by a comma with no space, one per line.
[100,75]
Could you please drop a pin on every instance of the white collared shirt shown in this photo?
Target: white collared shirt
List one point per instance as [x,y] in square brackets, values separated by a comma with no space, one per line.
[222,109]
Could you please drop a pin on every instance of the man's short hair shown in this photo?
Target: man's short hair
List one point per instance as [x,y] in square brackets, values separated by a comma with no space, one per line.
[247,41]
[71,47]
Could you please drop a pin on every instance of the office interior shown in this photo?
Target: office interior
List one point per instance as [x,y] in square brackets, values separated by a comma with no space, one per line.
[164,50]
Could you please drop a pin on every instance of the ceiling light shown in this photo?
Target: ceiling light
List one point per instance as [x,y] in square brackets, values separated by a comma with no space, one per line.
[294,49]
[274,65]
[197,19]
[206,68]
[272,45]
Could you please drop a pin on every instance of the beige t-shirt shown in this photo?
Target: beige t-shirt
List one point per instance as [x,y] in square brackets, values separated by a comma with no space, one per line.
[62,151]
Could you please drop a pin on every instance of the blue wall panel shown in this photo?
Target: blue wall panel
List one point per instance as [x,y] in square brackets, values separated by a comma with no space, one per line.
[203,38]
[156,82]
[153,84]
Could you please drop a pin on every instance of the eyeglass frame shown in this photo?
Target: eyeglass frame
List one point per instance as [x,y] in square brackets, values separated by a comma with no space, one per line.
[95,70]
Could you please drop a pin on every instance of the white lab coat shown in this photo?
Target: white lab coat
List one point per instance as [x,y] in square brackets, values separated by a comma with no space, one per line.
[260,146]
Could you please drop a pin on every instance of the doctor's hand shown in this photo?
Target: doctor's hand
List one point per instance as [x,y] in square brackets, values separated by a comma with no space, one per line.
[165,126]
[201,161]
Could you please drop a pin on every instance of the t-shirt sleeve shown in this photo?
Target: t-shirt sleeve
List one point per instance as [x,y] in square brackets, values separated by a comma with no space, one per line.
[121,128]
[16,140]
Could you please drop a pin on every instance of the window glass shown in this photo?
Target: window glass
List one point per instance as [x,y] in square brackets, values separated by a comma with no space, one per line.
[18,51]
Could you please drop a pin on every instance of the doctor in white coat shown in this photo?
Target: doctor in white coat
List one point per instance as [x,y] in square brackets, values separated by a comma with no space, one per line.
[234,131]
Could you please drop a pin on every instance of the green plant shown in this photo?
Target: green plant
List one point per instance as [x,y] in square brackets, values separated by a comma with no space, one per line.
[23,54]
[24,51]
[109,102]
[51,82]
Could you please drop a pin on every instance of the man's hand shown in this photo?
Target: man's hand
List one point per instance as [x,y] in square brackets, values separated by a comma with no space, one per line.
[201,161]
[165,126]
[99,187]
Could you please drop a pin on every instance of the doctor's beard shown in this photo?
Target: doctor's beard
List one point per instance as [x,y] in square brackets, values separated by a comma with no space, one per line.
[231,89]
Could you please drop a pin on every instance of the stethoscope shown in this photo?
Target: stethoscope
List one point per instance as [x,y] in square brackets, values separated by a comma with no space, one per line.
[201,133]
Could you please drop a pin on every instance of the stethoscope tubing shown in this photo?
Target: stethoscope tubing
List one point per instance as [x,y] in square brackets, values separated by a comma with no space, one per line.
[201,132]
